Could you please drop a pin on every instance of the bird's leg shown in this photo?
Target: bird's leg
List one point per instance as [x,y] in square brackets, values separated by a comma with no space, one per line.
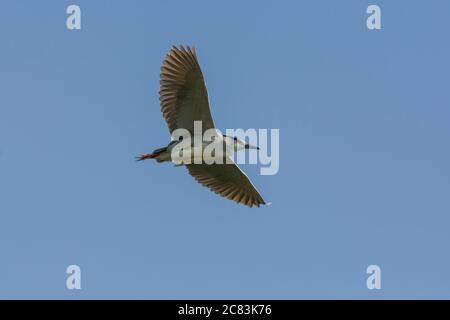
[153,155]
[145,156]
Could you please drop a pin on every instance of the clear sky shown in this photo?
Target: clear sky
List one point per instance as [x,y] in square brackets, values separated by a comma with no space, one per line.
[364,150]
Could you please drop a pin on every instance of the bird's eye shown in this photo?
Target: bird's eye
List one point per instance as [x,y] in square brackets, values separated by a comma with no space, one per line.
[180,138]
[235,139]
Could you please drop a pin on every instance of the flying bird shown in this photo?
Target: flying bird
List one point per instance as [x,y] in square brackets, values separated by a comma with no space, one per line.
[184,99]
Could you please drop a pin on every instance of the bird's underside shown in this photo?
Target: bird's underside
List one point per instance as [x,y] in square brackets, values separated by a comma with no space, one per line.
[184,99]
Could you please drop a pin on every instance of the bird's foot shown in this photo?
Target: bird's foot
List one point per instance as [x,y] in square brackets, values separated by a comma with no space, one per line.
[145,156]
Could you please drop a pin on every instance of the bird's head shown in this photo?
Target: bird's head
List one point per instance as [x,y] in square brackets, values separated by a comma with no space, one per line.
[238,144]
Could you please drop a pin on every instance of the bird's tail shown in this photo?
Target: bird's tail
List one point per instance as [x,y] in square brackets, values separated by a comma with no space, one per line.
[152,155]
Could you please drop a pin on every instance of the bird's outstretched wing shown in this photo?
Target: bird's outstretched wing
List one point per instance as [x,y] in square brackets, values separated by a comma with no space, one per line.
[183,93]
[227,180]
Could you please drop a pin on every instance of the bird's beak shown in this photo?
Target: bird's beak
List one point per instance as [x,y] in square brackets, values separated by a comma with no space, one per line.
[249,146]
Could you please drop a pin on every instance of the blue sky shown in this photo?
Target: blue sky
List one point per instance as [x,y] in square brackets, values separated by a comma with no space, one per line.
[364,128]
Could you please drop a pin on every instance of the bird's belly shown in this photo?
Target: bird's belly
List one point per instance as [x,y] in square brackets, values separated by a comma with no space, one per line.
[209,152]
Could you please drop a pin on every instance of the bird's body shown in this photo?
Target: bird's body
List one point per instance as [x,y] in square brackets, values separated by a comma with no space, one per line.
[184,101]
[225,146]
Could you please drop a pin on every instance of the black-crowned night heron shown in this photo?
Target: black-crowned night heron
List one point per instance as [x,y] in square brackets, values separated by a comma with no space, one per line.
[184,100]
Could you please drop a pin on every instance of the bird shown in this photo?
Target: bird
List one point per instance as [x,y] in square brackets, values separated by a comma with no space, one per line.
[184,100]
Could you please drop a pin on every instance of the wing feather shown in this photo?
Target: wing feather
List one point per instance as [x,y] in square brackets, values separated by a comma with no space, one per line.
[227,180]
[183,92]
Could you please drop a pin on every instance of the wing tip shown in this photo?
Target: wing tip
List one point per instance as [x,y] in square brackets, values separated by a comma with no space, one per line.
[256,203]
[184,49]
